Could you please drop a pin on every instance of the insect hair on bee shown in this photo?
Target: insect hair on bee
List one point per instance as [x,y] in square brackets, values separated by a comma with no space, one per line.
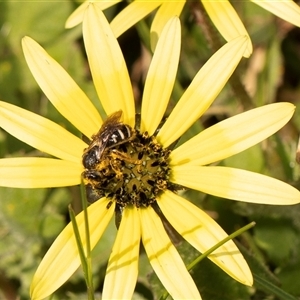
[99,156]
[111,134]
[125,166]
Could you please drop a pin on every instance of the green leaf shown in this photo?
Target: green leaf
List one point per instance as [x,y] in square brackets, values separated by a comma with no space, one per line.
[277,238]
[290,277]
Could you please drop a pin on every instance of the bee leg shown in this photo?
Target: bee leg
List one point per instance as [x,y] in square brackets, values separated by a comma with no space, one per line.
[92,175]
[119,155]
[92,194]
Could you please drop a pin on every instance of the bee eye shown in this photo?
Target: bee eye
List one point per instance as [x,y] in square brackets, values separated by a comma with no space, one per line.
[91,158]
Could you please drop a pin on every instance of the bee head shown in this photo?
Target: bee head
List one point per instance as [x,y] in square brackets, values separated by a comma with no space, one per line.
[91,157]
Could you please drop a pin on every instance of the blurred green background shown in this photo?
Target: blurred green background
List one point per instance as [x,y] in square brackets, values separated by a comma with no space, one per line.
[30,220]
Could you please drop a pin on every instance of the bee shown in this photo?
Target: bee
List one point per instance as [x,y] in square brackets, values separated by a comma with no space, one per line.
[99,162]
[111,134]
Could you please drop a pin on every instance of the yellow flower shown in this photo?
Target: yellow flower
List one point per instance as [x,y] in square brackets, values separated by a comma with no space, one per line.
[163,169]
[221,12]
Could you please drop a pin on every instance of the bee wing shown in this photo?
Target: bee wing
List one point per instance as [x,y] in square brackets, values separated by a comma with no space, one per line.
[111,121]
[102,136]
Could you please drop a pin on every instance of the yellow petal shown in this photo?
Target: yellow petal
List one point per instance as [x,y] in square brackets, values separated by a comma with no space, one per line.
[233,135]
[131,14]
[167,10]
[161,77]
[287,10]
[107,65]
[61,89]
[38,172]
[165,259]
[236,184]
[77,16]
[203,90]
[227,21]
[62,259]
[40,133]
[202,232]
[122,269]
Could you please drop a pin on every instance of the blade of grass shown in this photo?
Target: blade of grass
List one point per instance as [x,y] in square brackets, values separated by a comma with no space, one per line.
[212,249]
[273,289]
[86,266]
[89,274]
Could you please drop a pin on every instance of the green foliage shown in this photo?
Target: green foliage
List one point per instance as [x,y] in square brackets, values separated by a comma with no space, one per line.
[28,226]
[31,219]
[212,282]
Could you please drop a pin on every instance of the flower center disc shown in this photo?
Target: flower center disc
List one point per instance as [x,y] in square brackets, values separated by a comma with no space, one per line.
[132,172]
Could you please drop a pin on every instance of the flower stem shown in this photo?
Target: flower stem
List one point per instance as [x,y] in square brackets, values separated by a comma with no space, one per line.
[212,249]
[222,242]
[85,258]
[89,274]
